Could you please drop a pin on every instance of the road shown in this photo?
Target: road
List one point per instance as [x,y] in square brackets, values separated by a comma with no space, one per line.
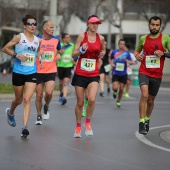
[116,144]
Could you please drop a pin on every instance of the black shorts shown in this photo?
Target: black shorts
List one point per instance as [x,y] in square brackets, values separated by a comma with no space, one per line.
[152,83]
[42,78]
[64,72]
[121,79]
[20,79]
[102,70]
[83,81]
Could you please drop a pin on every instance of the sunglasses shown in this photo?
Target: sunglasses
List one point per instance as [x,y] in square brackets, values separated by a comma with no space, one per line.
[32,23]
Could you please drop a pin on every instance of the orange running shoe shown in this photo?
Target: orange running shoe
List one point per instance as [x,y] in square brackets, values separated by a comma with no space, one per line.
[88,130]
[77,133]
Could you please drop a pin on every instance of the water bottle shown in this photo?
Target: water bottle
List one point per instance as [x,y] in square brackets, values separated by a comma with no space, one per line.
[142,53]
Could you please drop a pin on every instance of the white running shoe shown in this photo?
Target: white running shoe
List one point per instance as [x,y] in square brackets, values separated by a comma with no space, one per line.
[46,116]
[39,120]
[88,128]
[77,133]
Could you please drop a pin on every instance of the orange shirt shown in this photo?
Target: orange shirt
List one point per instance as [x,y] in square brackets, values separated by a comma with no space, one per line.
[49,46]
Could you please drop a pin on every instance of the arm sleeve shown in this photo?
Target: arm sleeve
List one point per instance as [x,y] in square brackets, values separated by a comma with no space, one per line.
[168,43]
[140,43]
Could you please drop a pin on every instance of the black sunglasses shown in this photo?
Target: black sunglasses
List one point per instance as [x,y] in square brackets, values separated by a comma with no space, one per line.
[32,23]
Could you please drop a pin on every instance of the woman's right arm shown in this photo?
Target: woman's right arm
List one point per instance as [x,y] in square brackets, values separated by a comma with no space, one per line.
[7,48]
[76,51]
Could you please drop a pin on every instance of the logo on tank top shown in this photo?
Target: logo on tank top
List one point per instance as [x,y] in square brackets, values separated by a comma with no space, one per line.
[31,48]
[23,41]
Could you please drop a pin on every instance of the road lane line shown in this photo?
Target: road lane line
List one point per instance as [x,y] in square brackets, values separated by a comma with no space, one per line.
[143,139]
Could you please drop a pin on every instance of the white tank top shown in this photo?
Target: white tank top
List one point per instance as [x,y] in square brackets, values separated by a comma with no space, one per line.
[29,49]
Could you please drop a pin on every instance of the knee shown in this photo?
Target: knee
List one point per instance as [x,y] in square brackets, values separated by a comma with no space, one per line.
[39,97]
[19,101]
[80,104]
[26,101]
[150,101]
[144,97]
[48,93]
[91,101]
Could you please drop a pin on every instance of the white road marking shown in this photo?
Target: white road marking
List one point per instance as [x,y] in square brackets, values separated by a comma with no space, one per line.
[143,139]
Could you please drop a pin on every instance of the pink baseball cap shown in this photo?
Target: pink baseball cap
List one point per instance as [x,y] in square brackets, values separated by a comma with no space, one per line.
[94,20]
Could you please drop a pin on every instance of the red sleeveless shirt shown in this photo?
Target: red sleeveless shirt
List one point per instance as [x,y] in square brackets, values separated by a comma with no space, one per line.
[88,63]
[149,47]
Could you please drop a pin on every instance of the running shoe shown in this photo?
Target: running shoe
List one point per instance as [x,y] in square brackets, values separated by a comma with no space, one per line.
[64,101]
[142,128]
[102,94]
[77,133]
[46,114]
[108,90]
[126,95]
[10,118]
[118,104]
[24,132]
[114,95]
[88,128]
[84,112]
[39,120]
[85,102]
[60,97]
[147,125]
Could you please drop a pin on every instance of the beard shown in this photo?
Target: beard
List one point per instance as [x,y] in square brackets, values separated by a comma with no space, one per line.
[154,32]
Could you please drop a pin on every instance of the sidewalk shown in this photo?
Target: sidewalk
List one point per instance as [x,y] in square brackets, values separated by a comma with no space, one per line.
[7,79]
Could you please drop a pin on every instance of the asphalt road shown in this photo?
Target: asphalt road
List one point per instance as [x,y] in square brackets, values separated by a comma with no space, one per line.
[116,144]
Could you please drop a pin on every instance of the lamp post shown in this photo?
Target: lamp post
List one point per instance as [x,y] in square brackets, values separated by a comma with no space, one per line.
[56,19]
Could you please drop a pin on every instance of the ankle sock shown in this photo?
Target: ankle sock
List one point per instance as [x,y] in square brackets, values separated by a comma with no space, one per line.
[87,120]
[142,120]
[147,118]
[78,124]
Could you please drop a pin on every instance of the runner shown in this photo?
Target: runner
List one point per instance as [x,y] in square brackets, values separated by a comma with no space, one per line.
[129,72]
[100,62]
[104,73]
[89,46]
[118,60]
[24,75]
[150,52]
[46,69]
[65,65]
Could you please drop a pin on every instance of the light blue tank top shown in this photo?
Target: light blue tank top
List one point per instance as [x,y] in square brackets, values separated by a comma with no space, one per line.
[29,49]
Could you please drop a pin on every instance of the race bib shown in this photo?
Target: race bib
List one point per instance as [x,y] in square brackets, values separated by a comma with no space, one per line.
[120,66]
[129,70]
[152,61]
[88,64]
[107,68]
[30,59]
[66,58]
[48,56]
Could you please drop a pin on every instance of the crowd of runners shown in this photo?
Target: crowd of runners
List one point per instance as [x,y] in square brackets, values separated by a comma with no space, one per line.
[39,59]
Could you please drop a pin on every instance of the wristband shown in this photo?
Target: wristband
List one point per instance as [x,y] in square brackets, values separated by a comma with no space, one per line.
[167,55]
[82,51]
[14,55]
